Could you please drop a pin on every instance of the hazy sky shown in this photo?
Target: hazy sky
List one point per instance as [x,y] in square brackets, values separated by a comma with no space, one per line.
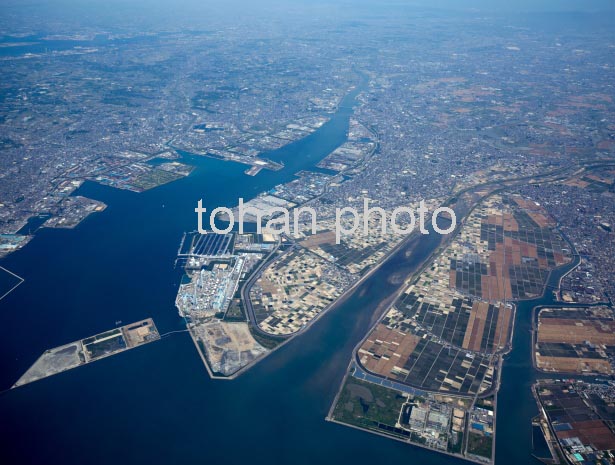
[497,5]
[20,16]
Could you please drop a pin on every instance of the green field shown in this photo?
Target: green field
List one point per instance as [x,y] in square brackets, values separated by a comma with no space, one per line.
[480,445]
[367,405]
[154,178]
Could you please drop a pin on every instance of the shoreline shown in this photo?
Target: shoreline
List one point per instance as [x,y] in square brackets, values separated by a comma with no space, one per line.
[331,307]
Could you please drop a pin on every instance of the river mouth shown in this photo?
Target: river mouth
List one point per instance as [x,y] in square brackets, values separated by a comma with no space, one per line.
[118,265]
[130,249]
[516,404]
[294,386]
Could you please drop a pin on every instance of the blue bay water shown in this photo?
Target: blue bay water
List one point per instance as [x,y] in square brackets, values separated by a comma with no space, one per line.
[156,404]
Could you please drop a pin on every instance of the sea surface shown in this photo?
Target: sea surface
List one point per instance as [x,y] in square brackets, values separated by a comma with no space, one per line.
[156,404]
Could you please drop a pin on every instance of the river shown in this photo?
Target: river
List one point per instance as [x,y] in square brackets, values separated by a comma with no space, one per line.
[516,405]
